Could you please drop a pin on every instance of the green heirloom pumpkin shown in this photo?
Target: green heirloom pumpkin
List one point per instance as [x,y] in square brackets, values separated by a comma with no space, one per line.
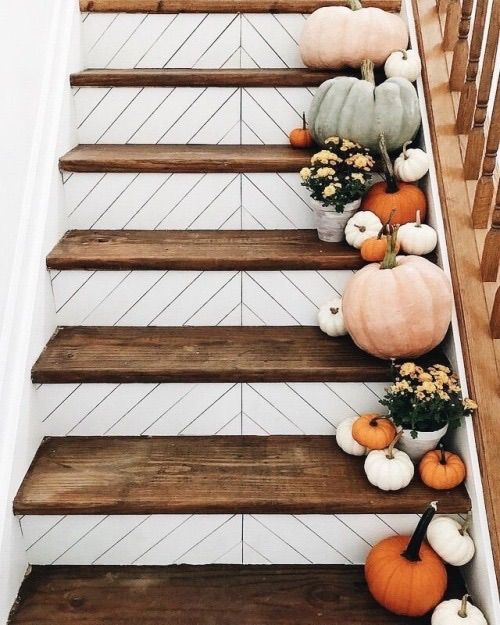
[360,111]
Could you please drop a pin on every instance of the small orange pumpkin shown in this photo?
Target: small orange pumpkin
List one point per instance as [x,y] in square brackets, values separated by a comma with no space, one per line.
[374,249]
[301,137]
[404,575]
[441,469]
[373,430]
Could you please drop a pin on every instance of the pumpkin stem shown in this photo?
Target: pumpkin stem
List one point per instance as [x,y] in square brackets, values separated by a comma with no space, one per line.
[465,524]
[304,122]
[419,221]
[360,228]
[463,607]
[355,5]
[405,148]
[390,455]
[390,178]
[373,421]
[442,459]
[389,261]
[334,311]
[412,551]
[405,58]
[367,71]
[385,224]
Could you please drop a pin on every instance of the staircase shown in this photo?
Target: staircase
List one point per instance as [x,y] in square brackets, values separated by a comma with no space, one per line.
[188,399]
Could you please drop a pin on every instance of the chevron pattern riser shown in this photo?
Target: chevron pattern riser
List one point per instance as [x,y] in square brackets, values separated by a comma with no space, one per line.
[206,539]
[172,409]
[183,40]
[186,201]
[184,115]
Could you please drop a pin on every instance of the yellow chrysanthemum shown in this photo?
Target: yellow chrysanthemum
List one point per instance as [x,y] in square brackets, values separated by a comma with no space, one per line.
[305,173]
[407,368]
[469,404]
[335,140]
[329,190]
[323,172]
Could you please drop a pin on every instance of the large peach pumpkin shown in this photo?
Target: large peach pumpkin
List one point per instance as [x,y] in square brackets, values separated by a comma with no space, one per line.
[399,308]
[336,37]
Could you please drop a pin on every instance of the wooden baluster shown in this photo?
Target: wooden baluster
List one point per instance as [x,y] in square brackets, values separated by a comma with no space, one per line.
[495,316]
[450,35]
[461,49]
[468,94]
[491,251]
[476,140]
[485,186]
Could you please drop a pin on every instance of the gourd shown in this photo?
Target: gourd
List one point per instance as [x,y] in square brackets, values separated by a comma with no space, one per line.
[399,308]
[412,164]
[301,137]
[450,540]
[389,469]
[404,575]
[403,63]
[457,612]
[441,469]
[362,226]
[403,198]
[358,110]
[345,440]
[374,431]
[338,37]
[330,318]
[417,238]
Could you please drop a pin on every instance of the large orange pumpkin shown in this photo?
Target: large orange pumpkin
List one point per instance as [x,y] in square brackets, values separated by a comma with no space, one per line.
[404,575]
[375,430]
[441,469]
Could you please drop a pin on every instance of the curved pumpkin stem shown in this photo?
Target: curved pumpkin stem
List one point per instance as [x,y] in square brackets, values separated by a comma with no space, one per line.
[389,261]
[463,607]
[385,224]
[355,5]
[466,524]
[412,551]
[390,455]
[405,148]
[390,178]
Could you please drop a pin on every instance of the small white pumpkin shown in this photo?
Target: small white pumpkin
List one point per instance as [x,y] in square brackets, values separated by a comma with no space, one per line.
[412,164]
[389,469]
[362,226]
[345,440]
[403,64]
[417,238]
[331,319]
[457,612]
[450,540]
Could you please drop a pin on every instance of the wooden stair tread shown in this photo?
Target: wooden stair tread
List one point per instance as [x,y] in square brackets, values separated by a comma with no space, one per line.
[207,354]
[211,474]
[226,250]
[224,6]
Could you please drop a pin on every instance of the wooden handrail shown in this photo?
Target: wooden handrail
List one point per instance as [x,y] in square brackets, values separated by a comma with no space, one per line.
[485,187]
[450,34]
[461,49]
[476,139]
[468,94]
[495,316]
[490,259]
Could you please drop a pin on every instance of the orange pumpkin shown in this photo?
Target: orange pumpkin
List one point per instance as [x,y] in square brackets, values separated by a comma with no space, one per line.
[374,249]
[404,198]
[404,575]
[301,137]
[441,469]
[373,431]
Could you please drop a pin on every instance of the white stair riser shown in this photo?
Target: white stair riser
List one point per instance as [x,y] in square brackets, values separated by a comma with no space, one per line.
[191,409]
[195,298]
[189,115]
[207,539]
[213,201]
[199,40]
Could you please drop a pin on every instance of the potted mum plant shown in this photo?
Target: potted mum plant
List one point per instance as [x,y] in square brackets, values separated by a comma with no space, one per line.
[337,178]
[425,402]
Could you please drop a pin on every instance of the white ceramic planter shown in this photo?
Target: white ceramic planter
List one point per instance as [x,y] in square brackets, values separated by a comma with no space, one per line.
[425,441]
[330,224]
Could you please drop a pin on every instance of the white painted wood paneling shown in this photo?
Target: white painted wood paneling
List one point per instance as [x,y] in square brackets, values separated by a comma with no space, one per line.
[271,39]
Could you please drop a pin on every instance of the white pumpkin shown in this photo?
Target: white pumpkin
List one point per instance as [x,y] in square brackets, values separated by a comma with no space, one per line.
[403,64]
[457,612]
[362,226]
[331,319]
[412,164]
[417,238]
[389,469]
[345,440]
[450,540]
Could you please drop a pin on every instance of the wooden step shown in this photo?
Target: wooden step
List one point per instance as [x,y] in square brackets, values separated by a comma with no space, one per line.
[224,6]
[206,77]
[225,250]
[207,354]
[211,475]
[205,595]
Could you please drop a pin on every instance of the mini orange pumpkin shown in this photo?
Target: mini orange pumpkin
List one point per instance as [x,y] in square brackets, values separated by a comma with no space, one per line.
[404,198]
[374,249]
[301,137]
[441,469]
[404,575]
[373,430]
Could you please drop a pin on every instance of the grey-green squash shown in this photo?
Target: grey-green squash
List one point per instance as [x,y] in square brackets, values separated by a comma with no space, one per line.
[356,109]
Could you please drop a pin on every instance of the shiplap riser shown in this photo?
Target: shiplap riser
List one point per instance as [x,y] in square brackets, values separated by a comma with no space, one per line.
[207,539]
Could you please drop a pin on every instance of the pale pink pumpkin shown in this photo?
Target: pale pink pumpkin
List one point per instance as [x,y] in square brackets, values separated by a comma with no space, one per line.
[398,312]
[336,37]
